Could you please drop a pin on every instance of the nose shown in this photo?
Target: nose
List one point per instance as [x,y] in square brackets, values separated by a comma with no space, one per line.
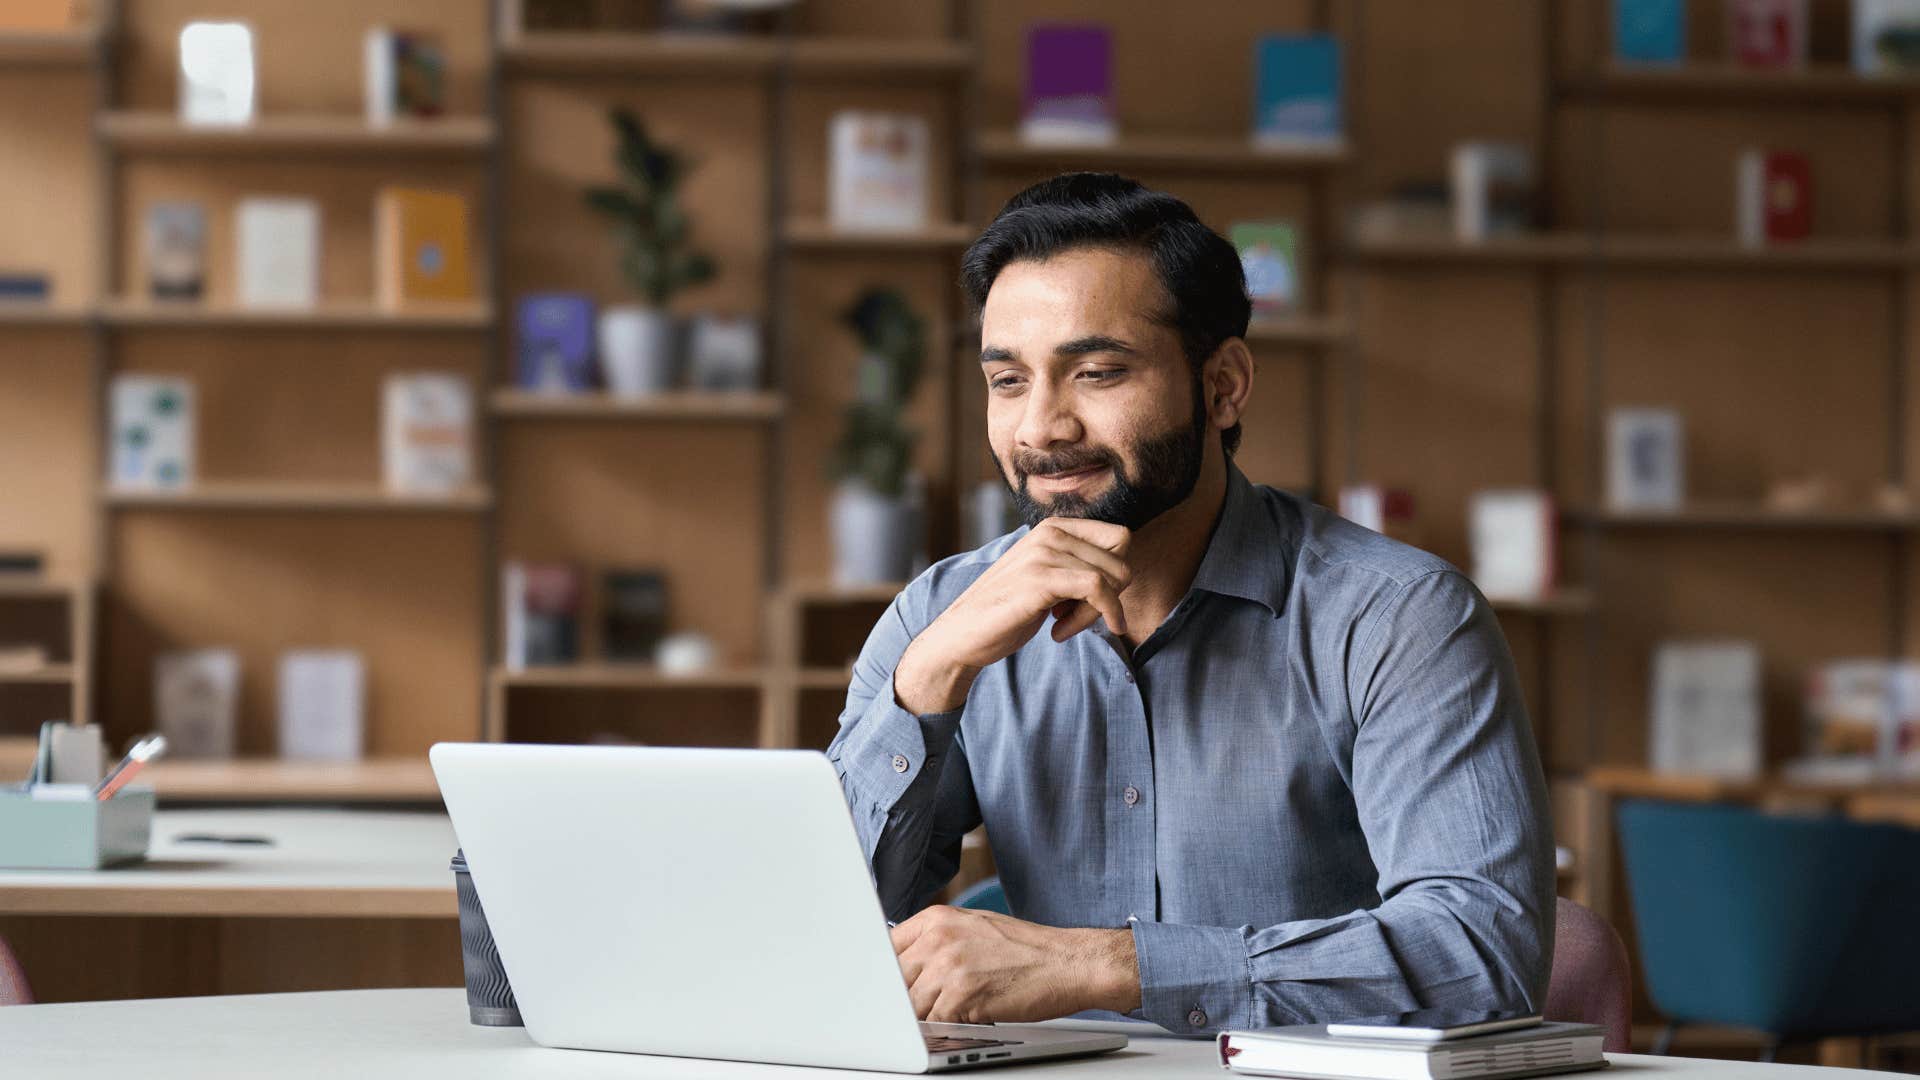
[1047,418]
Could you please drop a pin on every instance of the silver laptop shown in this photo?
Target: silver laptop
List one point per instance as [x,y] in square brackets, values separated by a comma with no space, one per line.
[698,903]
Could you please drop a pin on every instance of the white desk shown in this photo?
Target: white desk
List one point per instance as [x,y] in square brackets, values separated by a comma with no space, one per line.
[424,1035]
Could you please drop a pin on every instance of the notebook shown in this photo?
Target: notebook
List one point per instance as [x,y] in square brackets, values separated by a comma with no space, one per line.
[1308,1052]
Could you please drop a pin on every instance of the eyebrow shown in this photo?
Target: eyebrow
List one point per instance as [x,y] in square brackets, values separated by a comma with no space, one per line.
[1080,346]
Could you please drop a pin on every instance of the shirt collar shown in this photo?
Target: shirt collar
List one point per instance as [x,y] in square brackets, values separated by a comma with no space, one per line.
[1245,557]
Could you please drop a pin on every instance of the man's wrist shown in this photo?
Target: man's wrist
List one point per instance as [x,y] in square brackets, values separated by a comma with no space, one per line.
[924,683]
[1112,970]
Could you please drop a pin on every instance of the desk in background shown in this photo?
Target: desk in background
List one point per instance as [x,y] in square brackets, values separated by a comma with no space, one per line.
[343,898]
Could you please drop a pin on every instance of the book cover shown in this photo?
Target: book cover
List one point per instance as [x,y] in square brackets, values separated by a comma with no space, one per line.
[405,75]
[877,170]
[1774,201]
[1297,90]
[1069,89]
[196,697]
[556,343]
[278,256]
[1768,34]
[23,286]
[152,432]
[1706,708]
[1493,190]
[1270,259]
[541,603]
[633,612]
[176,251]
[723,353]
[1650,31]
[420,247]
[216,73]
[427,433]
[1886,36]
[1513,538]
[1309,1050]
[1646,459]
[1865,710]
[323,695]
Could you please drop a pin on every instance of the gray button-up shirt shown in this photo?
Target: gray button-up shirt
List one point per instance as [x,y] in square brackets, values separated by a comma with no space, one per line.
[1313,792]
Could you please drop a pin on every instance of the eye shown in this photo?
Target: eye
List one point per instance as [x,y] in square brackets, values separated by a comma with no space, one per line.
[1004,383]
[1101,374]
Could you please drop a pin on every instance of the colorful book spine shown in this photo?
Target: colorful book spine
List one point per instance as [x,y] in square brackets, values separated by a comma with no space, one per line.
[1069,94]
[1650,31]
[556,343]
[1270,259]
[1297,90]
[1774,197]
[1769,34]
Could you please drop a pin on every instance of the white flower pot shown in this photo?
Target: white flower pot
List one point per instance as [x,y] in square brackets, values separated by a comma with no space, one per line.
[637,354]
[872,536]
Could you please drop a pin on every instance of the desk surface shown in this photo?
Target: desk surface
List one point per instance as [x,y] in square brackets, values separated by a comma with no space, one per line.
[323,863]
[424,1034]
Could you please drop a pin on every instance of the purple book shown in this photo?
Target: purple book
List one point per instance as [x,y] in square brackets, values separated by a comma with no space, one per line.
[556,343]
[1069,84]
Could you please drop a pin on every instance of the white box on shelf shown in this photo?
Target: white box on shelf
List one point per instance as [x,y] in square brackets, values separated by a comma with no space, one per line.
[153,433]
[196,696]
[322,704]
[427,433]
[878,170]
[216,73]
[1646,459]
[1706,708]
[1492,184]
[1512,536]
[278,252]
[1886,36]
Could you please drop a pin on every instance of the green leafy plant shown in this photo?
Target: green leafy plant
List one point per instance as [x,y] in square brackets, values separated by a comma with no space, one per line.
[876,445]
[658,259]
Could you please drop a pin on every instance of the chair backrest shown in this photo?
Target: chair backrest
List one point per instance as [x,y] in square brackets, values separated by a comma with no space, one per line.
[984,895]
[1591,981]
[13,979]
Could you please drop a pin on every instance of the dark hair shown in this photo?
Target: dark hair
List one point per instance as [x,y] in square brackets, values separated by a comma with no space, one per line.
[1196,266]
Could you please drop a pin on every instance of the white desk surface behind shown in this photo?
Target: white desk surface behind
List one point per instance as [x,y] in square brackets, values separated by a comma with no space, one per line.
[424,1035]
[321,863]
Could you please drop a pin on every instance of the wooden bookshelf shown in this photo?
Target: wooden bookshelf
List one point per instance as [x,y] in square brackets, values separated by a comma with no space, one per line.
[76,47]
[1676,252]
[1007,150]
[818,235]
[270,780]
[1737,515]
[1734,85]
[275,497]
[825,678]
[153,132]
[892,60]
[32,313]
[677,406]
[612,676]
[44,674]
[554,52]
[329,315]
[1527,250]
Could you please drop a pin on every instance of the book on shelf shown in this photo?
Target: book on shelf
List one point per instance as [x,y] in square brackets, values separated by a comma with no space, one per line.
[1493,190]
[1069,88]
[427,433]
[196,695]
[1767,34]
[877,170]
[1270,259]
[216,73]
[1707,708]
[556,343]
[1864,712]
[406,75]
[1512,536]
[540,614]
[420,247]
[1297,91]
[1646,459]
[323,695]
[723,353]
[1650,31]
[633,614]
[16,286]
[1773,197]
[278,251]
[176,251]
[152,432]
[36,15]
[1886,37]
[1389,511]
[1312,1050]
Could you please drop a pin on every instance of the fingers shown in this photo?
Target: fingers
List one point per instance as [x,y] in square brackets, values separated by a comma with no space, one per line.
[1078,581]
[1113,538]
[1111,566]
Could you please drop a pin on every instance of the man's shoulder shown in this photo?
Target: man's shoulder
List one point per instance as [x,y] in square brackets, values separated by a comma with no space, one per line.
[1336,552]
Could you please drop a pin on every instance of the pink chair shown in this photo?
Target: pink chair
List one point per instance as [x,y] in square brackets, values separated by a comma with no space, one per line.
[1591,982]
[13,979]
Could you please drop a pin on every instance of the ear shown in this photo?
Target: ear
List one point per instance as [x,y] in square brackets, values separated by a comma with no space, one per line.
[1227,380]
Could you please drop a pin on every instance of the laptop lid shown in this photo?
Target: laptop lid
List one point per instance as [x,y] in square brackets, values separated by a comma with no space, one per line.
[698,903]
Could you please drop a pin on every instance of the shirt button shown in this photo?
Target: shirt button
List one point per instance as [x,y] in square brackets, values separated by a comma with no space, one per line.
[1131,795]
[1197,1018]
[899,763]
[1129,676]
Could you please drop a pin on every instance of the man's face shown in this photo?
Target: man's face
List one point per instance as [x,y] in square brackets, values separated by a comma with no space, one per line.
[1092,408]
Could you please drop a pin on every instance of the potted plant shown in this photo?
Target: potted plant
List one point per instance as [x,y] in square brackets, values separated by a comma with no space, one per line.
[637,341]
[874,519]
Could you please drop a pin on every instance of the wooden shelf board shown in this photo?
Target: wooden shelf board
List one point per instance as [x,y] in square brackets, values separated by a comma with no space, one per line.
[163,132]
[1641,782]
[893,59]
[35,587]
[50,48]
[609,676]
[1536,248]
[589,53]
[826,593]
[1221,154]
[824,678]
[329,315]
[41,313]
[324,498]
[1300,330]
[47,674]
[676,406]
[1559,602]
[380,780]
[1733,515]
[1732,84]
[1703,252]
[817,235]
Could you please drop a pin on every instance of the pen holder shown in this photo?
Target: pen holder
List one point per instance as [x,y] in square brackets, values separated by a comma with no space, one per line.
[65,828]
[489,996]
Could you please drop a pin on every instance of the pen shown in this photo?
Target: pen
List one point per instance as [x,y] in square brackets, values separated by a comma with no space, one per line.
[143,751]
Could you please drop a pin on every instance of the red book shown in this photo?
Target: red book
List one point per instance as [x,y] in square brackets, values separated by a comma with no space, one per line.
[1776,197]
[1767,33]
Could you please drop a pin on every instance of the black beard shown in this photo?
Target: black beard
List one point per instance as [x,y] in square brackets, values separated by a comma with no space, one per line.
[1168,469]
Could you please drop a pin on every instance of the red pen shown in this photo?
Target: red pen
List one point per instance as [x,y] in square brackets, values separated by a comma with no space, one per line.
[143,751]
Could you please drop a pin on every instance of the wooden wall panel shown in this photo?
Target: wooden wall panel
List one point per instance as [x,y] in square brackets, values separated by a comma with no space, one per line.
[402,589]
[48,455]
[48,220]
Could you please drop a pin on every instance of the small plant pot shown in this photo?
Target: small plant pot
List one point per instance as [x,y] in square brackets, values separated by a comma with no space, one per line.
[637,351]
[872,536]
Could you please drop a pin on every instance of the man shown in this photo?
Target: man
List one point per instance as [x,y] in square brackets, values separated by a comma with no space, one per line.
[1263,766]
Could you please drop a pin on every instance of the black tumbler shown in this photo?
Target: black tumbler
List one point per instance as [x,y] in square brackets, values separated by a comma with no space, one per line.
[489,997]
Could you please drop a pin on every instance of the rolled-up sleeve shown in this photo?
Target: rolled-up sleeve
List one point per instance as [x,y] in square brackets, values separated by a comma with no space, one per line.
[905,776]
[1450,795]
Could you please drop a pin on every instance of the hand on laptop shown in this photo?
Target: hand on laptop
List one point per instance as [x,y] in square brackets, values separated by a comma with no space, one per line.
[981,967]
[1072,568]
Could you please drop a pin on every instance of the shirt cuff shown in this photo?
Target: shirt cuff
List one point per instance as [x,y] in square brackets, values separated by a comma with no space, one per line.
[1193,979]
[889,748]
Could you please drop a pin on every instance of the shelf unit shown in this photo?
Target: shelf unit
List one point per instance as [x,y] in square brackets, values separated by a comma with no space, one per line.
[156,132]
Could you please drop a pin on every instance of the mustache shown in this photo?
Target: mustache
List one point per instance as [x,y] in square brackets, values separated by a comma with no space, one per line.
[1036,463]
